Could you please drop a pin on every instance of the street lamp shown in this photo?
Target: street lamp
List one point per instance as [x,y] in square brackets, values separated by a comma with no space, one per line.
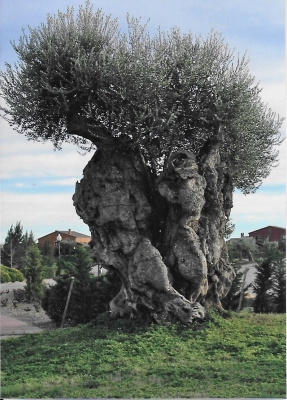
[59,238]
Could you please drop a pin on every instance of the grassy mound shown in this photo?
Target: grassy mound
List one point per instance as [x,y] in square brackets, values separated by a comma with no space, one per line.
[242,355]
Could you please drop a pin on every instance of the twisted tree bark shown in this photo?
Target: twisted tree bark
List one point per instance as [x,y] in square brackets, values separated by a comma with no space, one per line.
[163,235]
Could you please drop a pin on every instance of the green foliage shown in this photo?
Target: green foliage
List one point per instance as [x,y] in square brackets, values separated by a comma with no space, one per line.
[229,228]
[279,286]
[262,287]
[234,252]
[50,272]
[34,273]
[90,295]
[47,251]
[4,276]
[243,248]
[242,356]
[15,246]
[13,250]
[82,81]
[67,248]
[10,275]
[270,281]
[16,275]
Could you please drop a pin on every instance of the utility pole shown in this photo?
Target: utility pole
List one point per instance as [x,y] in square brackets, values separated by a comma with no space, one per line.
[67,303]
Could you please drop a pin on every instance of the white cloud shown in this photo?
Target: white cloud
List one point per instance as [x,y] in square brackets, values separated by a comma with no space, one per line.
[61,182]
[259,208]
[42,213]
[20,157]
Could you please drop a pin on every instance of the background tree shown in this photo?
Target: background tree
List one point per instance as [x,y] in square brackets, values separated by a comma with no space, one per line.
[34,273]
[177,122]
[272,251]
[16,245]
[270,280]
[262,287]
[67,248]
[47,252]
[244,248]
[279,286]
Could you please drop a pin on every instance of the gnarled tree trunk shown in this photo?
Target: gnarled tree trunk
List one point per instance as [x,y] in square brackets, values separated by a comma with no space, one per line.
[163,235]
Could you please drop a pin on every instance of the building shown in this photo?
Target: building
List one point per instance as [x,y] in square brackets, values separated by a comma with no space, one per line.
[77,237]
[269,233]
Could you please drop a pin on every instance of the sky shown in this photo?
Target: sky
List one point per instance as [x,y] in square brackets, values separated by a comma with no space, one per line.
[37,183]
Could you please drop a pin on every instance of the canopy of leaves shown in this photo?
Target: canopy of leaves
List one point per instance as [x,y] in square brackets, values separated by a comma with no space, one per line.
[80,80]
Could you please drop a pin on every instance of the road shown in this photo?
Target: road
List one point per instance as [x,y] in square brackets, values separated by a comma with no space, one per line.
[250,276]
[20,285]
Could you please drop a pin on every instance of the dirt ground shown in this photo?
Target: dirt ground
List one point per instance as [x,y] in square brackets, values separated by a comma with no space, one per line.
[25,311]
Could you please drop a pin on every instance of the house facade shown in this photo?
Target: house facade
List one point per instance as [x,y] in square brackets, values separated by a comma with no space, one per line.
[77,237]
[269,233]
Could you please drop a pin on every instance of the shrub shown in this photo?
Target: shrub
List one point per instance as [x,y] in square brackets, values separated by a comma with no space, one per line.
[16,275]
[90,295]
[4,276]
[11,275]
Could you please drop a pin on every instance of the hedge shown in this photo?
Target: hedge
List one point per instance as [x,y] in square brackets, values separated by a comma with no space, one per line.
[10,275]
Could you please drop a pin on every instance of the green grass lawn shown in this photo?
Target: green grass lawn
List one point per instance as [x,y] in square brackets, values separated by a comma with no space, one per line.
[239,356]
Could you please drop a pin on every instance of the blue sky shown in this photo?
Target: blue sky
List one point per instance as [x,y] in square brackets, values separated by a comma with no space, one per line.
[37,184]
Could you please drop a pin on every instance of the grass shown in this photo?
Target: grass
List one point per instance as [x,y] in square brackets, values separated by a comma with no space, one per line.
[242,355]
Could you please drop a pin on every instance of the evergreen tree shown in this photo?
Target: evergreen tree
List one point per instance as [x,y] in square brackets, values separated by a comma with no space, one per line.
[13,251]
[47,251]
[90,296]
[34,272]
[262,286]
[270,281]
[16,245]
[279,286]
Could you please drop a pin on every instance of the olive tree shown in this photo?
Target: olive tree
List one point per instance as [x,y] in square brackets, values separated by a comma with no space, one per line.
[176,123]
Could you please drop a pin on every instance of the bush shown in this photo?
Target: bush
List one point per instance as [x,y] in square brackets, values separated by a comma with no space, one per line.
[90,295]
[4,276]
[11,275]
[16,275]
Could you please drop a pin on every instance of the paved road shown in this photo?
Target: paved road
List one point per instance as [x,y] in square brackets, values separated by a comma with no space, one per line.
[11,327]
[250,276]
[20,285]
